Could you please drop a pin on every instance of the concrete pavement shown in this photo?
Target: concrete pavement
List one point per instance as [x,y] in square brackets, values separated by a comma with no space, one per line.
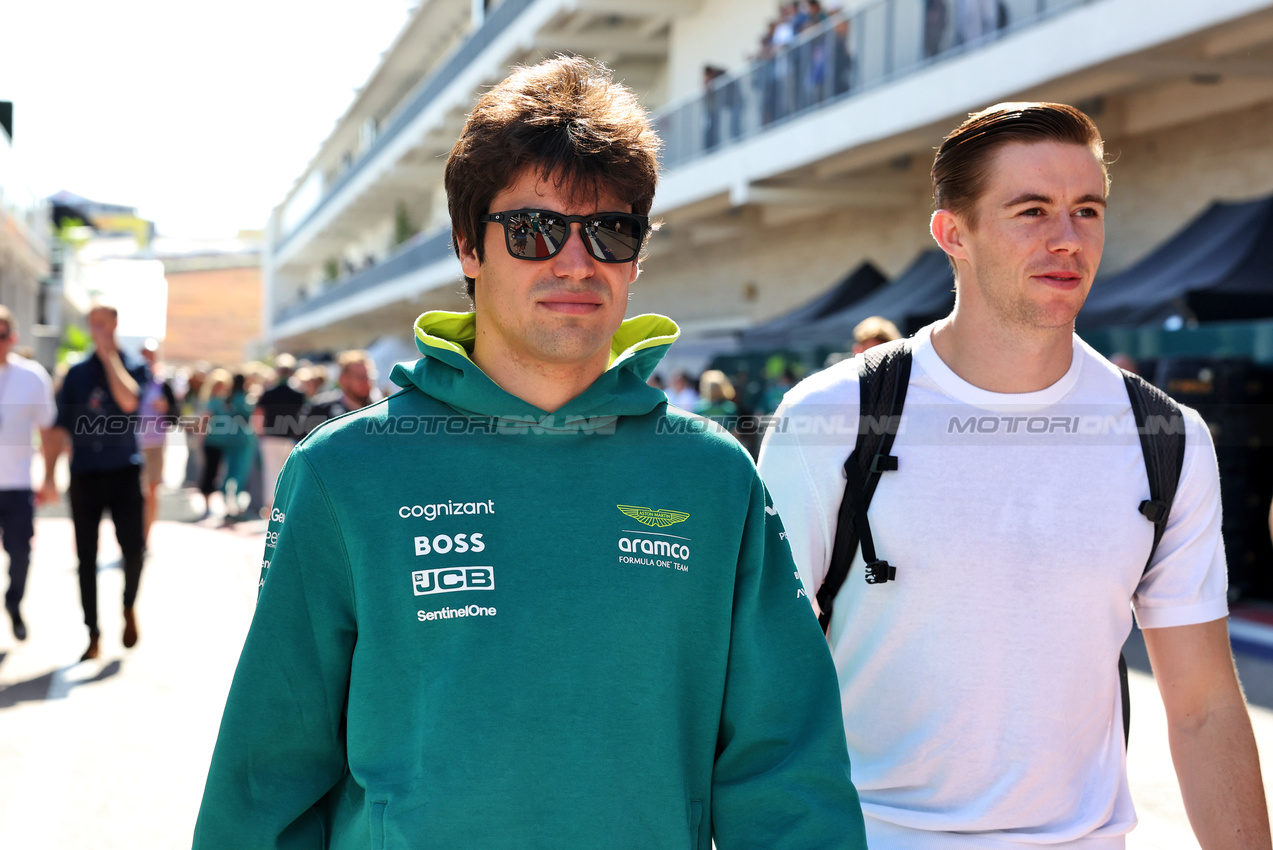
[112,754]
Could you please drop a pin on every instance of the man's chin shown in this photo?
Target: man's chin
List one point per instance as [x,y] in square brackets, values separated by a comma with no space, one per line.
[573,345]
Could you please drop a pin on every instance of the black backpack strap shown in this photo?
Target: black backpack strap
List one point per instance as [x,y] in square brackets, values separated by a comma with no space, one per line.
[883,375]
[1161,426]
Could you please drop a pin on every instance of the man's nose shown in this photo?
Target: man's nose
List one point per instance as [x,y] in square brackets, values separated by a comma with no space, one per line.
[1066,237]
[574,260]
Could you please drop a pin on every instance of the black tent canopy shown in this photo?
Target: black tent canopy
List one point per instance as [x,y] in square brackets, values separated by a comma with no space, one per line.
[1218,267]
[923,293]
[786,330]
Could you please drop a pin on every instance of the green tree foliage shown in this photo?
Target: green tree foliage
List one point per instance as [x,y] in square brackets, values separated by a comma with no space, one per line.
[403,227]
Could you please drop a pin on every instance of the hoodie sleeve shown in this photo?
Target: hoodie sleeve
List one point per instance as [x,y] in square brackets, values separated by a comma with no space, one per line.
[781,778]
[281,746]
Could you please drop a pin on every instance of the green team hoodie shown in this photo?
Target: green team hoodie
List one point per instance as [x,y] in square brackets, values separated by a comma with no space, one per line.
[485,626]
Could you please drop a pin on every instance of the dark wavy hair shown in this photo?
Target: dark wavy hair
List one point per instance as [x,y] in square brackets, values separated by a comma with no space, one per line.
[566,118]
[962,165]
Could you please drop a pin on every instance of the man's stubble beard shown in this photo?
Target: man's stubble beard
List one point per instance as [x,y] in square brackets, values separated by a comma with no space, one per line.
[1015,309]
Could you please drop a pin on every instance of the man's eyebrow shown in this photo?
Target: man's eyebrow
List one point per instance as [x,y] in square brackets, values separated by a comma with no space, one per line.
[1036,198]
[1029,198]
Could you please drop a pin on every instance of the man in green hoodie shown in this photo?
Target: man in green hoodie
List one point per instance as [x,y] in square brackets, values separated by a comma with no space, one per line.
[569,618]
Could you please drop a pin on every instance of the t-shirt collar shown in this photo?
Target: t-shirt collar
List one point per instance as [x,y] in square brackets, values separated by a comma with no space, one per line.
[925,355]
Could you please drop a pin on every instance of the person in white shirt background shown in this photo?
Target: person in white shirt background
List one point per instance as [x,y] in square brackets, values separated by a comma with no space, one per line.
[26,407]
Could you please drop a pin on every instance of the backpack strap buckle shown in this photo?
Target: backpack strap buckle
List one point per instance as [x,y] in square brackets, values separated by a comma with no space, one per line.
[1154,510]
[883,463]
[878,572]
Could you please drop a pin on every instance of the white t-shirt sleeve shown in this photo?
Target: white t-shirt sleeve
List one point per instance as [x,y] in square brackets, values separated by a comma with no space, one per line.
[800,461]
[784,470]
[1187,582]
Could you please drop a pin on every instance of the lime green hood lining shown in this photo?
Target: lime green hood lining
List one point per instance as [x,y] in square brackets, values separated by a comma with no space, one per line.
[455,332]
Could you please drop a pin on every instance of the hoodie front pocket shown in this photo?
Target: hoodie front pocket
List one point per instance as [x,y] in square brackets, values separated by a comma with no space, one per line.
[377,819]
[696,822]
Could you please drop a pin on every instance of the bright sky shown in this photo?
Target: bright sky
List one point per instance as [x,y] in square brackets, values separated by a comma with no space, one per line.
[199,114]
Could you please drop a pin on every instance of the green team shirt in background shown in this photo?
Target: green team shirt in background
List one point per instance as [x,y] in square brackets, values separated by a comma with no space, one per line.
[481,625]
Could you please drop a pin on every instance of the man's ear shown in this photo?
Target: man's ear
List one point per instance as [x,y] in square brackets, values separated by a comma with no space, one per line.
[468,256]
[949,231]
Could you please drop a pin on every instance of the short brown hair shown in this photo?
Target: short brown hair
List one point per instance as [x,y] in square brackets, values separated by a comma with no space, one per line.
[6,318]
[348,358]
[568,119]
[875,328]
[962,165]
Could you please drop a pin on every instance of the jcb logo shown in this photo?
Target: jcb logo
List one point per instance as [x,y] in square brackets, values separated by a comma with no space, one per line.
[451,579]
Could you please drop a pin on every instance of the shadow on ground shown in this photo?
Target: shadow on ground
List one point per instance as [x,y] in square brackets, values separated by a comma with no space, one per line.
[38,689]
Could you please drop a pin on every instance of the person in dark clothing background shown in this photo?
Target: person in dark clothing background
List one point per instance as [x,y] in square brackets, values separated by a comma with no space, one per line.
[105,463]
[355,389]
[277,421]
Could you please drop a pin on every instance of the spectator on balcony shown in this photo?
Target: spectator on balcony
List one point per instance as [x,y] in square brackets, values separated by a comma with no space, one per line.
[712,106]
[841,56]
[936,19]
[975,19]
[815,55]
[814,15]
[781,66]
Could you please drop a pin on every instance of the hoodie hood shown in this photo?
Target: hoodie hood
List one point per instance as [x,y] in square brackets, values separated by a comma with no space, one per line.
[446,372]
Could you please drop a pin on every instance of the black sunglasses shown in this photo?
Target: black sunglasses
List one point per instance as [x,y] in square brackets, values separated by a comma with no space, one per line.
[609,237]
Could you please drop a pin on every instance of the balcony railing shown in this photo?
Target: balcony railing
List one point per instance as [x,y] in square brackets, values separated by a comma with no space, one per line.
[844,56]
[413,256]
[495,24]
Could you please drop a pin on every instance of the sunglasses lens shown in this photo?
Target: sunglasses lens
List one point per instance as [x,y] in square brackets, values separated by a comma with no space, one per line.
[614,239]
[535,235]
[539,234]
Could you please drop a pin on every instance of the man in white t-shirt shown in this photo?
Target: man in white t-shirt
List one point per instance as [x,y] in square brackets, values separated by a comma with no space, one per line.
[979,686]
[26,406]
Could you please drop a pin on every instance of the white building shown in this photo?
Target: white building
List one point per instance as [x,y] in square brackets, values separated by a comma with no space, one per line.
[25,246]
[787,173]
[109,270]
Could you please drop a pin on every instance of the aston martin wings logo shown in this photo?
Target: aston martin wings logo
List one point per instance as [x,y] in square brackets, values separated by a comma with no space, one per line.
[661,518]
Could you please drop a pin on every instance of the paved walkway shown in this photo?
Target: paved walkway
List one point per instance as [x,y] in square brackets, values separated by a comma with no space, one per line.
[112,754]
